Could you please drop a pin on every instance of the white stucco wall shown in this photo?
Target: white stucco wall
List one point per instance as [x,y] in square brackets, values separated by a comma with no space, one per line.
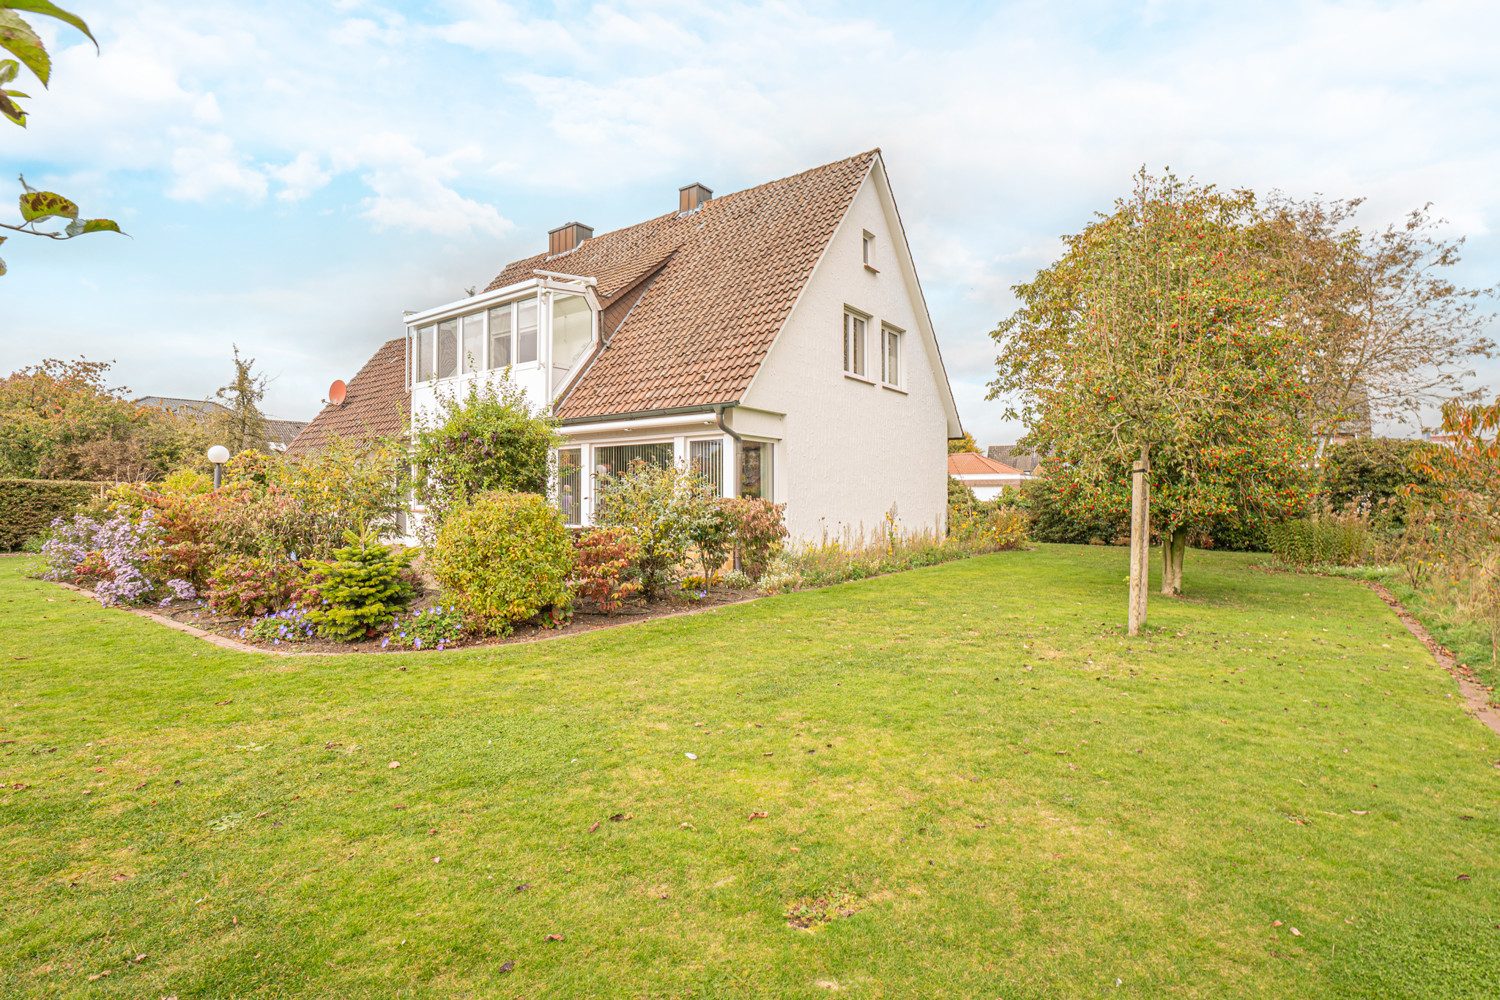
[852,450]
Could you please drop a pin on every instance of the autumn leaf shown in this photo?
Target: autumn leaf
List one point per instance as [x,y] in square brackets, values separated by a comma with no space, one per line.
[45,204]
[759,815]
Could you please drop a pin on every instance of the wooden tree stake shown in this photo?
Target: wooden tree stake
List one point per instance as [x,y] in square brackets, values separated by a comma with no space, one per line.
[1140,538]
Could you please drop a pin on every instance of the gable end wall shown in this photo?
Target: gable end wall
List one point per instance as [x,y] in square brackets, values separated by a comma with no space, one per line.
[851,450]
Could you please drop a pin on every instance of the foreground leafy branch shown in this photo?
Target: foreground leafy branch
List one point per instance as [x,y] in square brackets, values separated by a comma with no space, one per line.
[22,41]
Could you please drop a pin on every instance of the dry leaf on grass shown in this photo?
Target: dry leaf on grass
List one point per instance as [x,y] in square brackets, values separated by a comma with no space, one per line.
[594,827]
[98,975]
[554,937]
[508,965]
[394,763]
[760,815]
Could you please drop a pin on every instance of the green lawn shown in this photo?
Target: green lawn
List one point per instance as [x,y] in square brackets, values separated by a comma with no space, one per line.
[996,792]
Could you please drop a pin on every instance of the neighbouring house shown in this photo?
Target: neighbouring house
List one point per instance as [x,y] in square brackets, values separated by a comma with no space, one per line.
[982,474]
[1007,454]
[775,340]
[279,433]
[376,404]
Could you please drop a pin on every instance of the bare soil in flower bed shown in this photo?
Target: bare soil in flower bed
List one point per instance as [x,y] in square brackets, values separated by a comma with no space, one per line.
[583,620]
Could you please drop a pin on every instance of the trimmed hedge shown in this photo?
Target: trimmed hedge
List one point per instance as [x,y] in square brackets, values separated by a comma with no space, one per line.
[29,506]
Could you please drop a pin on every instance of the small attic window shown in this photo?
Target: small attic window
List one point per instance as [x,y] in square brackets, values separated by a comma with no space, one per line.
[869,250]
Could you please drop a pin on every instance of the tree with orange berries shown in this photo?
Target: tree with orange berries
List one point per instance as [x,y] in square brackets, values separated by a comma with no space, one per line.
[1153,341]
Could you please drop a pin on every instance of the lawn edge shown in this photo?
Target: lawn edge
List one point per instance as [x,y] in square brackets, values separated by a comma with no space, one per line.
[213,638]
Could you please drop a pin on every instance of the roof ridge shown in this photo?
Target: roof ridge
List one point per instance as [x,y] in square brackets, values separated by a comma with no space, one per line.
[801,173]
[669,216]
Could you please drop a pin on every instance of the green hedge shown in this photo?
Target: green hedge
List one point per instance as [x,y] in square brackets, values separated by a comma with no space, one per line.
[28,506]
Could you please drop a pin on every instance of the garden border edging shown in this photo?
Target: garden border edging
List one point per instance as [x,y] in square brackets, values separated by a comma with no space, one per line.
[242,647]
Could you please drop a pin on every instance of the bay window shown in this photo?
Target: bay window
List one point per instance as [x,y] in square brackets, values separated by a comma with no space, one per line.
[570,485]
[611,460]
[755,469]
[706,460]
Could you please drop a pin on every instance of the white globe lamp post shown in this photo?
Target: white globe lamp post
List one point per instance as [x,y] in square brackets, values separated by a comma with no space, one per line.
[218,455]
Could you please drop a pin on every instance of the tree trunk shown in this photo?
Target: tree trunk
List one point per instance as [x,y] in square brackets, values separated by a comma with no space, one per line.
[1140,538]
[1173,547]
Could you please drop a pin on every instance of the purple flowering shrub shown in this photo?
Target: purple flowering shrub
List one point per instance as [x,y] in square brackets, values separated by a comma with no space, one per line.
[113,557]
[118,558]
[430,628]
[290,624]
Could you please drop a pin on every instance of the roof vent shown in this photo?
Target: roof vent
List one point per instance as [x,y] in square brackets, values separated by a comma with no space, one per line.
[692,197]
[565,238]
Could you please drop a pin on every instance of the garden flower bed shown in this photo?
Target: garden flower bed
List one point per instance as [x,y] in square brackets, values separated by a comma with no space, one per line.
[297,638]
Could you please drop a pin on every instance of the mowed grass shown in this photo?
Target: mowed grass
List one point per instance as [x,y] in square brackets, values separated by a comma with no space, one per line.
[999,794]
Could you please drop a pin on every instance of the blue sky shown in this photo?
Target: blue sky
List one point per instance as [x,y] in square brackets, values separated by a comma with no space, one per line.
[295,175]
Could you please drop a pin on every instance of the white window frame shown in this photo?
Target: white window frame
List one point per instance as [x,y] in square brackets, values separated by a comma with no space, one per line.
[481,361]
[857,344]
[482,364]
[867,249]
[889,333]
[717,439]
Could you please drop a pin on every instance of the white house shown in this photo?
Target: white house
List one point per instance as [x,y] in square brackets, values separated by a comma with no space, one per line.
[775,339]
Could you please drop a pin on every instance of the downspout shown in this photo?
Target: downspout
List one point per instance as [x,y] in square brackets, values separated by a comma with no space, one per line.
[733,465]
[719,409]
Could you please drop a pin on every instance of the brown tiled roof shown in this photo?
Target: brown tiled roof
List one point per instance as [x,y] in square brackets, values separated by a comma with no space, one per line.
[971,463]
[729,274]
[377,404]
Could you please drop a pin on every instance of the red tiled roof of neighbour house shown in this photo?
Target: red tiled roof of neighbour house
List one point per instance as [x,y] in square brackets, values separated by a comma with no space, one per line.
[377,404]
[971,463]
[725,278]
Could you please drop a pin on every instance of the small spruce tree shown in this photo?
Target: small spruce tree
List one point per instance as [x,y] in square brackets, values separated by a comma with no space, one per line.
[362,587]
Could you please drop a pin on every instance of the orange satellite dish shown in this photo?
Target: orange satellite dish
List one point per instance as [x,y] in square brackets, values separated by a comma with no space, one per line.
[338,392]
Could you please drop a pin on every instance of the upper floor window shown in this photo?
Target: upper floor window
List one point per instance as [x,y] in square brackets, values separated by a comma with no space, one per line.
[869,250]
[854,343]
[890,355]
[447,348]
[500,352]
[495,338]
[471,355]
[526,332]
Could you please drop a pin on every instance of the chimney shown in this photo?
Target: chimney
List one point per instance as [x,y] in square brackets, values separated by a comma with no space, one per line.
[565,238]
[692,197]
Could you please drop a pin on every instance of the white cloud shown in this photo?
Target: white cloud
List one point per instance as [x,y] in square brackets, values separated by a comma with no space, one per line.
[411,193]
[301,177]
[1002,129]
[207,165]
